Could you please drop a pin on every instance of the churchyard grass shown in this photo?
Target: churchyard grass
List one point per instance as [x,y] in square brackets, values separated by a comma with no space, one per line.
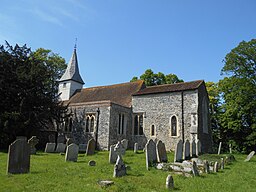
[50,172]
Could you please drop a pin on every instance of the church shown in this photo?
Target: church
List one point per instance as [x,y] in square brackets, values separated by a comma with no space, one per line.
[132,111]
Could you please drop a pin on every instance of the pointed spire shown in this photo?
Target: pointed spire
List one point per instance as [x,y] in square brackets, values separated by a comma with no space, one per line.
[72,71]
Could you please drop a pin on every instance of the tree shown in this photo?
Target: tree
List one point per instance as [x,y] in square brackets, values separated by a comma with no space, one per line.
[28,87]
[238,91]
[150,78]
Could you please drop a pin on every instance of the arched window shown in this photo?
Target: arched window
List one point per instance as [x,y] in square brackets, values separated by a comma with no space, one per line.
[174,126]
[87,124]
[90,122]
[138,124]
[153,130]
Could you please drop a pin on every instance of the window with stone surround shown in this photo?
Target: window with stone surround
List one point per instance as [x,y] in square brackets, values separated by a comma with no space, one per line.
[138,124]
[153,131]
[174,126]
[122,122]
[89,123]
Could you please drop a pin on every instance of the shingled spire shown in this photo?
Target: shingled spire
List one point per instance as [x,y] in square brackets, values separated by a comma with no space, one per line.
[71,79]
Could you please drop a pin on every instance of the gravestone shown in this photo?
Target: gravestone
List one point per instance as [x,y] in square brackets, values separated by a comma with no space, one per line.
[186,150]
[33,141]
[222,163]
[230,148]
[206,166]
[216,167]
[250,156]
[112,154]
[82,147]
[61,138]
[151,157]
[135,148]
[60,148]
[169,182]
[51,138]
[161,152]
[18,156]
[72,152]
[193,149]
[92,163]
[178,151]
[194,169]
[119,148]
[124,142]
[50,148]
[198,147]
[219,148]
[119,168]
[69,141]
[90,147]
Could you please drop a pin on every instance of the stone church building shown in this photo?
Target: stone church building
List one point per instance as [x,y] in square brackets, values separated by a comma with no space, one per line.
[135,112]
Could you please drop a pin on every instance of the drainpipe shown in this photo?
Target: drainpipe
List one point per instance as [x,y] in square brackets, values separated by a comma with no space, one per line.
[97,128]
[182,117]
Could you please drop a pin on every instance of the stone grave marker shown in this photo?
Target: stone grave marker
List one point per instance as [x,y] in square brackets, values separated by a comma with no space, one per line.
[61,138]
[194,169]
[72,152]
[135,148]
[60,148]
[250,156]
[206,166]
[92,163]
[91,147]
[169,182]
[216,167]
[18,160]
[51,138]
[230,148]
[193,148]
[219,148]
[119,148]
[161,152]
[151,157]
[69,141]
[124,142]
[33,141]
[82,147]
[119,168]
[50,148]
[186,150]
[198,147]
[178,151]
[112,154]
[222,163]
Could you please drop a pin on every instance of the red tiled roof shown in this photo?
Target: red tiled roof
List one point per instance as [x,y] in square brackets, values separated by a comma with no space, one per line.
[119,93]
[170,88]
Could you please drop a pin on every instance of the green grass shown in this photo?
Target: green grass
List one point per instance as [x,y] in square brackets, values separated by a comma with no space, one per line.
[49,172]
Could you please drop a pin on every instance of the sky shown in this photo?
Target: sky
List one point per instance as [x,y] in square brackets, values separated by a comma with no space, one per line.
[120,39]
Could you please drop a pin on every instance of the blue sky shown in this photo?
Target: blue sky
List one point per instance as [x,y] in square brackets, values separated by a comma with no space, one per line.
[119,39]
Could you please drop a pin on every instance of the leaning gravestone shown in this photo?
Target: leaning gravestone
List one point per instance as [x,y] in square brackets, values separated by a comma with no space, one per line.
[194,169]
[72,152]
[50,148]
[69,141]
[219,148]
[216,167]
[112,154]
[206,167]
[198,147]
[186,150]
[120,168]
[250,156]
[90,147]
[33,141]
[151,157]
[169,182]
[124,142]
[161,152]
[60,148]
[18,156]
[119,148]
[61,138]
[135,148]
[178,151]
[193,149]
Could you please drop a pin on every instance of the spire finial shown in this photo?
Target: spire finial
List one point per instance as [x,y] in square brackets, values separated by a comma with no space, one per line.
[75,44]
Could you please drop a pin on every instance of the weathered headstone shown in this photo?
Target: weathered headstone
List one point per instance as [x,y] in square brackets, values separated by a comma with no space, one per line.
[222,163]
[135,148]
[169,182]
[18,156]
[216,167]
[151,157]
[33,141]
[61,138]
[72,152]
[82,147]
[198,147]
[161,152]
[186,150]
[69,141]
[119,168]
[206,166]
[194,169]
[51,138]
[90,147]
[178,151]
[112,154]
[219,149]
[230,148]
[193,148]
[119,148]
[50,148]
[124,142]
[60,148]
[248,158]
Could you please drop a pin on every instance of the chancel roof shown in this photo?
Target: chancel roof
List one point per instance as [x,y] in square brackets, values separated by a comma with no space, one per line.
[72,71]
[170,88]
[119,93]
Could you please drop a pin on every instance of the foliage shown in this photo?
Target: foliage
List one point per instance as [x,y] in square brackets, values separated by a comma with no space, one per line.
[49,172]
[28,87]
[238,91]
[150,78]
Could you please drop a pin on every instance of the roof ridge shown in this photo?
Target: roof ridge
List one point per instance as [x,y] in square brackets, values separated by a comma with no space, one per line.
[170,84]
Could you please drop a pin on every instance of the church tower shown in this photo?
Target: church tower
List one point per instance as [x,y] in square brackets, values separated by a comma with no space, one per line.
[71,79]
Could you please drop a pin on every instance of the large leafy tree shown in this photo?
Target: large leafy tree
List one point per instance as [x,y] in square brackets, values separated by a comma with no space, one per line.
[238,90]
[150,78]
[28,87]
